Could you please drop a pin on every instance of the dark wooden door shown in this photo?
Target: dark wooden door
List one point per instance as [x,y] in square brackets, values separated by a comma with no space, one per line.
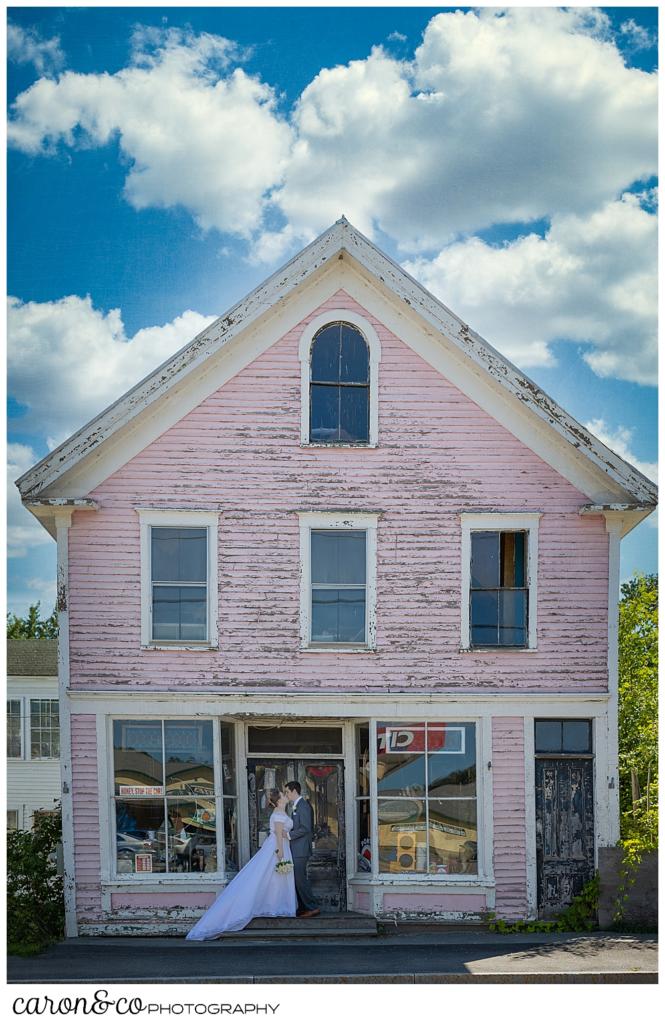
[564,830]
[323,786]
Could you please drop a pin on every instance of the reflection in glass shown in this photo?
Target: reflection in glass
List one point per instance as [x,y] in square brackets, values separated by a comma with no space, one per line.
[179,613]
[576,737]
[228,760]
[140,837]
[231,835]
[338,616]
[362,759]
[294,739]
[400,774]
[324,413]
[339,388]
[138,758]
[453,837]
[191,835]
[179,554]
[189,757]
[548,737]
[402,836]
[364,832]
[338,557]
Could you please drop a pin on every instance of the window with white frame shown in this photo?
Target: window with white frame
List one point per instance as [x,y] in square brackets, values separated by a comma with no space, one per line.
[339,358]
[499,580]
[427,817]
[44,729]
[14,728]
[33,728]
[12,820]
[173,812]
[179,578]
[338,585]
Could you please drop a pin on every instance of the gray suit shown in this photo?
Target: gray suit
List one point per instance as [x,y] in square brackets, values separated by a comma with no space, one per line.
[301,850]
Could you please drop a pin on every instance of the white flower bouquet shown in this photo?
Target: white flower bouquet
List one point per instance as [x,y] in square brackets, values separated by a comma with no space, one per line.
[284,867]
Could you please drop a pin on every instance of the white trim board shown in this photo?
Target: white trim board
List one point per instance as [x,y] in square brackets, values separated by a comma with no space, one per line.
[340,243]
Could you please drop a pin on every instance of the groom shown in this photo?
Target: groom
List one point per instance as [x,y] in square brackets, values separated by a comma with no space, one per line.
[301,849]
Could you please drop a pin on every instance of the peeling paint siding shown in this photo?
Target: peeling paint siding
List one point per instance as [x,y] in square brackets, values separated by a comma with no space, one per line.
[86,816]
[509,817]
[239,452]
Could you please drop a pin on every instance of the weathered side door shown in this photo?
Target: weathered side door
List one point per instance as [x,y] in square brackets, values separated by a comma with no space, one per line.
[564,830]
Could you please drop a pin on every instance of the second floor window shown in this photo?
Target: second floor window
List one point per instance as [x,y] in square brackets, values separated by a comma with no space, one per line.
[44,729]
[179,579]
[339,581]
[499,596]
[339,386]
[14,729]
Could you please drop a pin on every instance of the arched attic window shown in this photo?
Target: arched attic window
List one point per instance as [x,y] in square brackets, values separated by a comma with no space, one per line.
[339,389]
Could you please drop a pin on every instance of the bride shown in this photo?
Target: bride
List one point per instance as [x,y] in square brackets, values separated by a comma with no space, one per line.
[258,890]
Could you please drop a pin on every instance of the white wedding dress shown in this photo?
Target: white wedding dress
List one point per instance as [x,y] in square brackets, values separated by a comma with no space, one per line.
[256,891]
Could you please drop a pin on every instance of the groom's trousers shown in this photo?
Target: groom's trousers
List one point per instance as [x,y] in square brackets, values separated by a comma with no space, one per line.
[306,899]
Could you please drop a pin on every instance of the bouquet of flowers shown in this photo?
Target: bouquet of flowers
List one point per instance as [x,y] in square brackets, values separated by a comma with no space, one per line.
[284,867]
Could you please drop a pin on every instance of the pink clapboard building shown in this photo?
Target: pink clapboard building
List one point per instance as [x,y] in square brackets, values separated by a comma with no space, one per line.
[337,538]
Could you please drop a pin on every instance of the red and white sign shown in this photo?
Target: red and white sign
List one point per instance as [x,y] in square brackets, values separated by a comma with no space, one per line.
[142,862]
[407,739]
[141,790]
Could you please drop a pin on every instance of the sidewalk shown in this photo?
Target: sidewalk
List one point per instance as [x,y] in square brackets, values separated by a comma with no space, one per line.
[413,958]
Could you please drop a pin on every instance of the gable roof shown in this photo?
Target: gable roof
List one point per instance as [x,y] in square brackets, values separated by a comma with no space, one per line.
[626,487]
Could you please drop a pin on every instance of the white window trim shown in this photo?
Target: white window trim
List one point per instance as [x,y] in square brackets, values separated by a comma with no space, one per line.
[25,749]
[110,876]
[26,734]
[484,813]
[374,345]
[178,517]
[309,521]
[528,521]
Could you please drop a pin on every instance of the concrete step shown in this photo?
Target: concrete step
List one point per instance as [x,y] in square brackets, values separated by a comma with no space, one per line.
[324,925]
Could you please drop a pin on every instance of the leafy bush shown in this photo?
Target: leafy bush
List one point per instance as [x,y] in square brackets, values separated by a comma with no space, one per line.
[580,916]
[35,897]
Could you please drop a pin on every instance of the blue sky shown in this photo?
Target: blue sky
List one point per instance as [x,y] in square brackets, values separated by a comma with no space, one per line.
[163,161]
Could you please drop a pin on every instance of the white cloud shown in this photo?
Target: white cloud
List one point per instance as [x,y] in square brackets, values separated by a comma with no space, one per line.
[503,116]
[26,46]
[637,36]
[620,440]
[589,279]
[23,530]
[196,133]
[67,360]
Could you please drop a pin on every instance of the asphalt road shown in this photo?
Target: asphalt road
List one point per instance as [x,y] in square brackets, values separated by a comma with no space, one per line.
[407,959]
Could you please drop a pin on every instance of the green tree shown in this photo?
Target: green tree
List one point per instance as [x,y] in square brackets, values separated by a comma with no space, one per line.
[32,627]
[638,710]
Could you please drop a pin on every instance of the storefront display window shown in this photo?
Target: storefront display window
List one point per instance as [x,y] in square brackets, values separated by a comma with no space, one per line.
[165,797]
[426,798]
[363,804]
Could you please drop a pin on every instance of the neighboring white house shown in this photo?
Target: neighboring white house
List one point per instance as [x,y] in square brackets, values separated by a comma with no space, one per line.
[33,730]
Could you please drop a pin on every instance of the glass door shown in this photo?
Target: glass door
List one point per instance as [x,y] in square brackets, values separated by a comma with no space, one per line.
[322,784]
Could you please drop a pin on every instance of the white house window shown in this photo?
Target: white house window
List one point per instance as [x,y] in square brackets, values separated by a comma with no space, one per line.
[339,357]
[339,386]
[338,586]
[12,820]
[167,802]
[33,728]
[14,729]
[499,580]
[44,729]
[426,798]
[179,578]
